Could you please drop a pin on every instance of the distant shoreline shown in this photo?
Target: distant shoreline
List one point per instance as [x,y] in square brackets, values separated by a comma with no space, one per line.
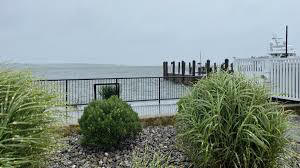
[78,64]
[79,71]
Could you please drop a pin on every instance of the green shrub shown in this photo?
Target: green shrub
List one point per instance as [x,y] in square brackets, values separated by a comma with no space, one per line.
[105,123]
[107,91]
[27,121]
[229,121]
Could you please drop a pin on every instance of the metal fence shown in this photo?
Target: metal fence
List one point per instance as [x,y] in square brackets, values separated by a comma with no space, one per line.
[281,75]
[149,96]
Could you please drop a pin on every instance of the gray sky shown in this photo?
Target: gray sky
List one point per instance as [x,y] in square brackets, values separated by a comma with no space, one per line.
[140,32]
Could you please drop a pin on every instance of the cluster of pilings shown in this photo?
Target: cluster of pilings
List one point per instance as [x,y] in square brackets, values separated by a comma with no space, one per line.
[195,70]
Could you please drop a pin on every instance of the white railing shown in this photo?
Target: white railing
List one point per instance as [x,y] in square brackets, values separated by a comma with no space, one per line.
[281,75]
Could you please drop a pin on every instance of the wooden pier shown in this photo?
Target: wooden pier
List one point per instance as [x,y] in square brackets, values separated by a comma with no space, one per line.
[194,71]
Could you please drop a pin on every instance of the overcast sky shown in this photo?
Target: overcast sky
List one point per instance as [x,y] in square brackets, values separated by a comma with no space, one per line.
[141,32]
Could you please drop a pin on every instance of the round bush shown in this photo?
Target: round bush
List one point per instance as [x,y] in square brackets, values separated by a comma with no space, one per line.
[27,121]
[229,121]
[105,123]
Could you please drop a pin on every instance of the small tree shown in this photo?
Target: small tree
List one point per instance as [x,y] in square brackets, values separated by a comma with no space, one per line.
[105,123]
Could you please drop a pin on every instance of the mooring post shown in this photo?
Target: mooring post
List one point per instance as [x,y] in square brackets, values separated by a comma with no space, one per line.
[167,73]
[231,67]
[173,67]
[194,68]
[226,64]
[199,71]
[182,70]
[164,69]
[190,68]
[178,68]
[215,67]
[207,67]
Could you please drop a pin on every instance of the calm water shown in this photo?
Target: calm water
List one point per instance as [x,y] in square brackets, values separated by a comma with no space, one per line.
[71,71]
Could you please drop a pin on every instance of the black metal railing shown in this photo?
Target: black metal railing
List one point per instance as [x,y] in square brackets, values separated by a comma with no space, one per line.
[148,96]
[82,91]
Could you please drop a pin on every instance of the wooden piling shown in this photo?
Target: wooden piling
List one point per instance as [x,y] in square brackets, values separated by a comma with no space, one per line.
[179,68]
[207,67]
[215,67]
[194,68]
[226,64]
[173,67]
[167,73]
[182,71]
[182,68]
[164,72]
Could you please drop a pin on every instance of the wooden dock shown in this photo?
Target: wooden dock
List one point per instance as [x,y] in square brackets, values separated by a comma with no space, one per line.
[194,71]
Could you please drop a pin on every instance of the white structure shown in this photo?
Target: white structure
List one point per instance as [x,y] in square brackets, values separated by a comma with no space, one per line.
[277,48]
[281,75]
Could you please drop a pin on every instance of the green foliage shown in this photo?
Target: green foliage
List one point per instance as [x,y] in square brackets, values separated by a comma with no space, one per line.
[105,123]
[148,159]
[228,121]
[27,121]
[107,91]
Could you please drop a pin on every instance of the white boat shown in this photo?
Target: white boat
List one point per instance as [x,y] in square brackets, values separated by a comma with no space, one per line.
[278,48]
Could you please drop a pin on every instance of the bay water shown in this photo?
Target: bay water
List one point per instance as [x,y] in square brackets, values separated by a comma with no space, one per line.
[80,71]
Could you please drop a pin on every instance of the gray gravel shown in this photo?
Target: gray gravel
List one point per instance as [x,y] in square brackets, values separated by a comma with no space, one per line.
[158,138]
[154,138]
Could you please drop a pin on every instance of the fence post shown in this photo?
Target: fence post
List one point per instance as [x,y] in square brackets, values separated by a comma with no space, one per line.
[118,87]
[66,92]
[159,95]
[66,100]
[95,93]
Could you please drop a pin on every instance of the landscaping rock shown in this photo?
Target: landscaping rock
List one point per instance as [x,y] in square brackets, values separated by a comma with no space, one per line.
[158,138]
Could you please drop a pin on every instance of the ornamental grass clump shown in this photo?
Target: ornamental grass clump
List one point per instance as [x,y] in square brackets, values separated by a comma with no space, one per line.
[27,121]
[105,123]
[150,159]
[228,121]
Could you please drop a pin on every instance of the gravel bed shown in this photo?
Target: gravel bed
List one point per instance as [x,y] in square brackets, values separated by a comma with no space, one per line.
[156,138]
